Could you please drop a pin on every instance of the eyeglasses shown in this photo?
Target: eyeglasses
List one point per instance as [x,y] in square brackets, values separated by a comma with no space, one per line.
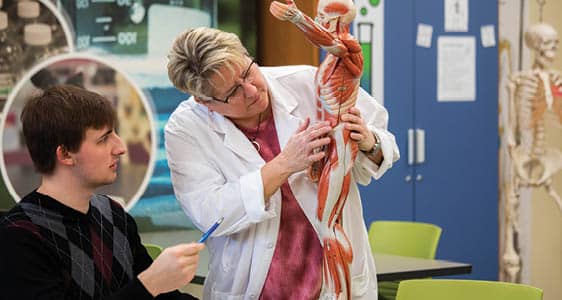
[245,76]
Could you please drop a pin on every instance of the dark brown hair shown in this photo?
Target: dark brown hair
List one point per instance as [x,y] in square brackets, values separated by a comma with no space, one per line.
[60,116]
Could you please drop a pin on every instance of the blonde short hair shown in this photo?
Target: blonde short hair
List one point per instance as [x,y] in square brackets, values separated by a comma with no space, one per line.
[197,54]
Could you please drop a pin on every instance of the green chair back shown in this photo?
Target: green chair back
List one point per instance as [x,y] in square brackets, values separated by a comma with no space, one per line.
[153,250]
[413,239]
[445,289]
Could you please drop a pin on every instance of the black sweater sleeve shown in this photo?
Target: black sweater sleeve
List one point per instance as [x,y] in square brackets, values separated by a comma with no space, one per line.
[142,261]
[28,269]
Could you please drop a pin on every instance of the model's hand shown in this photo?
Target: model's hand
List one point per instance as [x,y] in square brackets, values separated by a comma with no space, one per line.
[299,153]
[172,269]
[359,131]
[285,12]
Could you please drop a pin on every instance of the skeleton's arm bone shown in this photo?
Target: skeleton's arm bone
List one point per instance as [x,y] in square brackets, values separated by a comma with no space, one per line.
[511,127]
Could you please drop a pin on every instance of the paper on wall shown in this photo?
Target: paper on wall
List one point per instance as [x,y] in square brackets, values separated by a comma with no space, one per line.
[456,15]
[488,36]
[456,68]
[425,33]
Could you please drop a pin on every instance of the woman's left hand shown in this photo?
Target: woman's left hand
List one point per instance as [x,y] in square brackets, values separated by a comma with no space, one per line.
[359,131]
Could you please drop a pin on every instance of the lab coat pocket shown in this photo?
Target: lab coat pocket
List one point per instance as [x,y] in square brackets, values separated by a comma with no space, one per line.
[217,295]
[360,282]
[233,254]
[226,259]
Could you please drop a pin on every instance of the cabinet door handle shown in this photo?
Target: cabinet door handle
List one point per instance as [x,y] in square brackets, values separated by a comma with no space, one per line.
[410,146]
[420,146]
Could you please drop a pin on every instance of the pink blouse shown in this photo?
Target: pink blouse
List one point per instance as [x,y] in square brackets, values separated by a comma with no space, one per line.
[295,270]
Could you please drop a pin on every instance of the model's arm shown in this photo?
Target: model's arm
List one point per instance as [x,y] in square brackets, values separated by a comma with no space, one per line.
[314,32]
[354,61]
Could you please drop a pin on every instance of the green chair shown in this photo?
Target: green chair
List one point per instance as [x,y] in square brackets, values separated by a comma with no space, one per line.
[153,250]
[445,289]
[413,239]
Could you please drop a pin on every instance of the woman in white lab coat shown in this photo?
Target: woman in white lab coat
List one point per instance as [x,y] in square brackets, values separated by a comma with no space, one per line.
[239,148]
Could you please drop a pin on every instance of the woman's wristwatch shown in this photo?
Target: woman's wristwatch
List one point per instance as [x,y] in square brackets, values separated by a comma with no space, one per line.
[376,148]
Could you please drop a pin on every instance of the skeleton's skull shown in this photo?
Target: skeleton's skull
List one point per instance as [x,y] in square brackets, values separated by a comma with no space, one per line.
[329,11]
[543,39]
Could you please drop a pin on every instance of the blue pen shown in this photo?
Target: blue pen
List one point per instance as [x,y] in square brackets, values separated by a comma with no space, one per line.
[207,234]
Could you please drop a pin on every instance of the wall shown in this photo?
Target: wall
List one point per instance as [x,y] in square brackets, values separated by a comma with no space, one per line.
[546,218]
[509,24]
[281,43]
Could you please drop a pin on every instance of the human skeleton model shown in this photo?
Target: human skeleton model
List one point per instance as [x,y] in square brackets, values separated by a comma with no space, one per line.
[532,93]
[337,84]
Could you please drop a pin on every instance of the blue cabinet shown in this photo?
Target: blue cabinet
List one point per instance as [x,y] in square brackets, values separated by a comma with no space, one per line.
[456,187]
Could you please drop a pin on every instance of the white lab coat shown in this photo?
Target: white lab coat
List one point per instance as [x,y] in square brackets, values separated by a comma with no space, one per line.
[216,173]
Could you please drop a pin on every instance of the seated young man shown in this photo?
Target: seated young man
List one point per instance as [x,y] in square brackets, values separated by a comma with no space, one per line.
[62,241]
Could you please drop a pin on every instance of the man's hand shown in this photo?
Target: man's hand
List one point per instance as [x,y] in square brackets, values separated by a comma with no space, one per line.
[172,269]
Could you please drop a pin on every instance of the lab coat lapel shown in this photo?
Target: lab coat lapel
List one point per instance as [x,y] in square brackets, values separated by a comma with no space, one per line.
[233,138]
[236,141]
[284,104]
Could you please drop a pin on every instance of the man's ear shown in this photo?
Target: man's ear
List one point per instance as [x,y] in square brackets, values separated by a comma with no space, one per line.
[64,156]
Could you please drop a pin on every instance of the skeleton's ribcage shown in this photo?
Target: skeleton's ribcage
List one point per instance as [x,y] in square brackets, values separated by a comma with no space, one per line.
[526,102]
[534,162]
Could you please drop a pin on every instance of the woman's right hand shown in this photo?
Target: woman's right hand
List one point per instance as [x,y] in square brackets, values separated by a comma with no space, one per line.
[299,153]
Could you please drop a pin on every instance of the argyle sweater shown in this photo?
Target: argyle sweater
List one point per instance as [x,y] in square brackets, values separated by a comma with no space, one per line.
[51,251]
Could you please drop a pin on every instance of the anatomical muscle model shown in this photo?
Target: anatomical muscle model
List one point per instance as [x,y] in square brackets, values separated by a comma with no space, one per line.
[337,84]
[532,93]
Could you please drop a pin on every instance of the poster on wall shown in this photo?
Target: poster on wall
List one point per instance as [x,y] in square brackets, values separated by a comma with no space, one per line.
[136,35]
[30,31]
[369,29]
[122,39]
[133,112]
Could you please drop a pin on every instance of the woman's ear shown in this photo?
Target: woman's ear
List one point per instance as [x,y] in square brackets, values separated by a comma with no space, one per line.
[64,156]
[199,100]
[203,102]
